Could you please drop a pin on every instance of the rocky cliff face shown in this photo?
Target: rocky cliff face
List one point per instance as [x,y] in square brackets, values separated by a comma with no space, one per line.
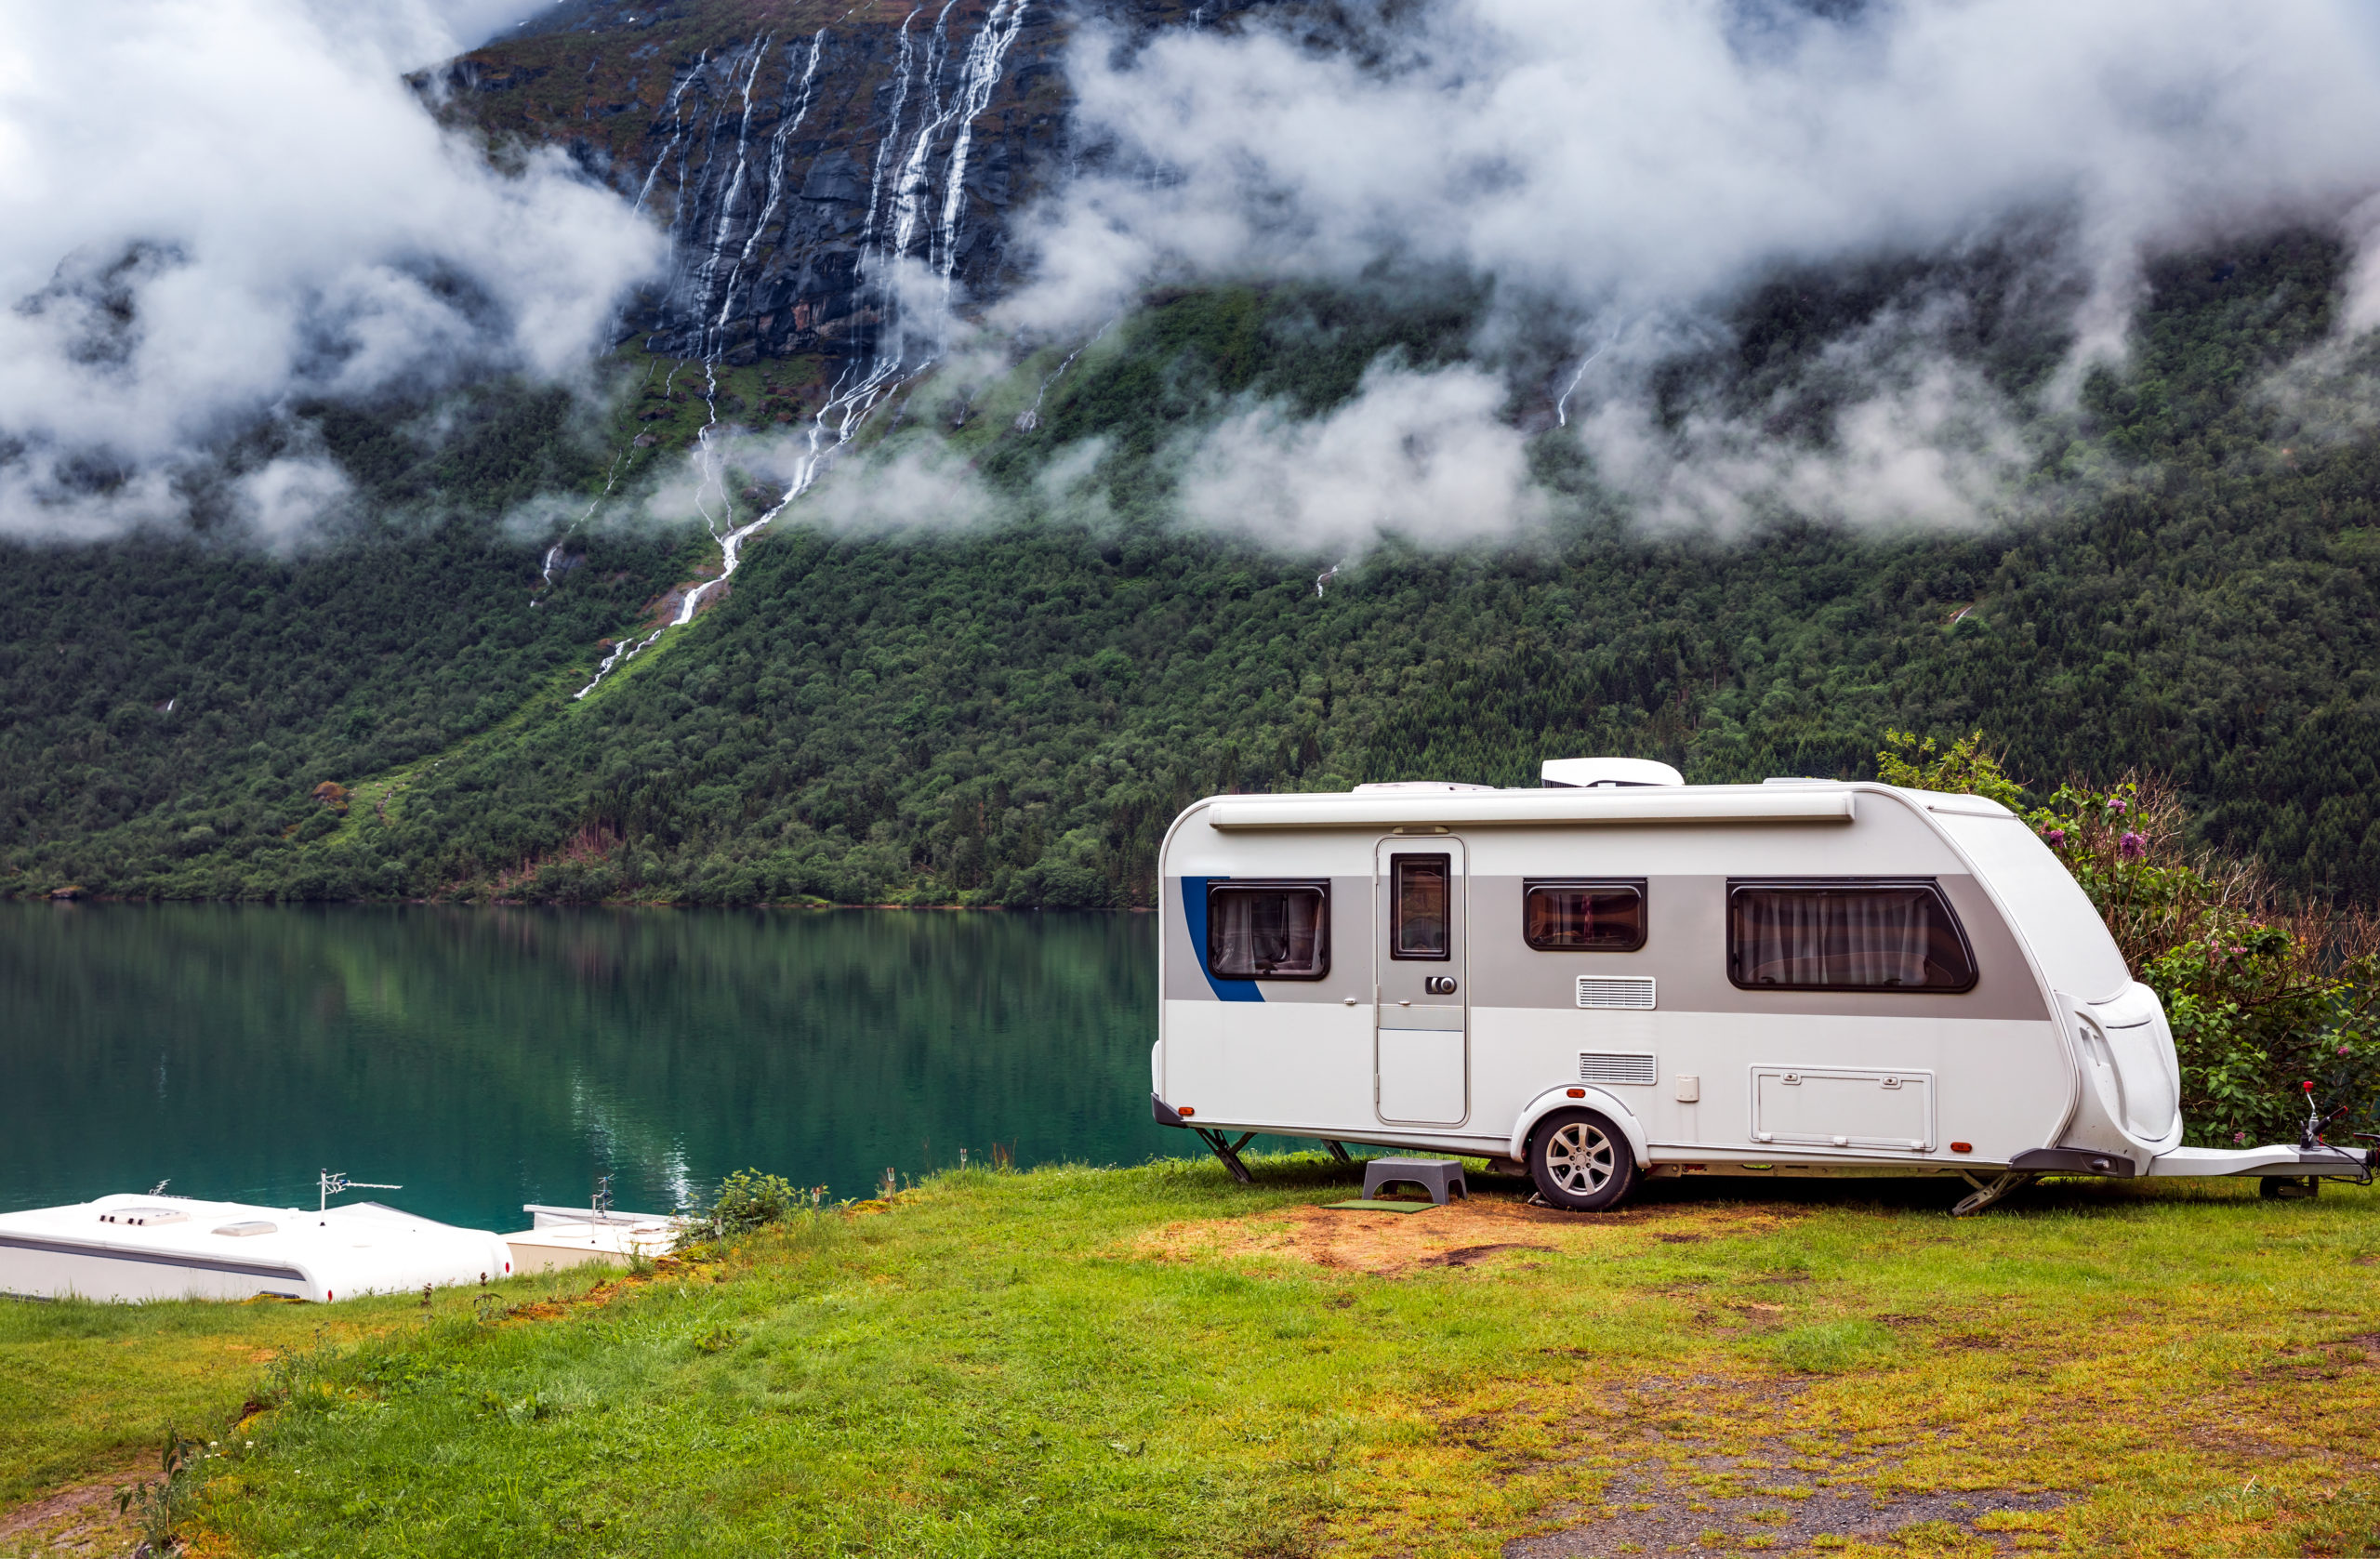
[802,152]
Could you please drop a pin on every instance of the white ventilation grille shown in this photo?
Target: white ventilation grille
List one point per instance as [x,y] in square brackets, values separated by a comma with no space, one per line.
[1632,1069]
[1628,993]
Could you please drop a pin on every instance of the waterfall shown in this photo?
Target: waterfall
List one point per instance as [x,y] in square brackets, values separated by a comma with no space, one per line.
[914,169]
[670,110]
[733,194]
[1031,418]
[553,553]
[1561,405]
[611,477]
[786,125]
[981,76]
[892,129]
[902,207]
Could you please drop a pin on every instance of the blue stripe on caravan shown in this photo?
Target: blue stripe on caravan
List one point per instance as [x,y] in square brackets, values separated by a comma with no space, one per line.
[1193,916]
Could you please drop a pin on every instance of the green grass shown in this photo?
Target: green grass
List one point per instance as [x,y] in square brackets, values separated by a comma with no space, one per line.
[1155,1361]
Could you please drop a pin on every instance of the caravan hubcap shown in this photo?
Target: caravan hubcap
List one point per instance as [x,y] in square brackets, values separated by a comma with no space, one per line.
[1581,1159]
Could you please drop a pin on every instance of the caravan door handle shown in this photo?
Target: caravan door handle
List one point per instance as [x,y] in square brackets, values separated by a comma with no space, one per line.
[1438,985]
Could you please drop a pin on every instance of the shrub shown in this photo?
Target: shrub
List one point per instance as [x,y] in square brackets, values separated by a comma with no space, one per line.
[748,1200]
[2264,997]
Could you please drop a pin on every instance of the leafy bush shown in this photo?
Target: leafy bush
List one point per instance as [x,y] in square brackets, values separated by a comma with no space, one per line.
[2264,997]
[748,1200]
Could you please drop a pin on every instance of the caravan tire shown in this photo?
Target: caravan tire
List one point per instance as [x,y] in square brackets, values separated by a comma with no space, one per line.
[1581,1161]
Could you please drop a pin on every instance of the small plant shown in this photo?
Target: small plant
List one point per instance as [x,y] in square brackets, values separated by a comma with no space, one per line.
[748,1200]
[158,1508]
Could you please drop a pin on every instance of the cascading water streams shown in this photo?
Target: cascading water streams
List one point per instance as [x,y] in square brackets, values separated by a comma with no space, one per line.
[553,553]
[786,125]
[1030,417]
[977,80]
[1562,405]
[884,148]
[671,110]
[891,230]
[733,194]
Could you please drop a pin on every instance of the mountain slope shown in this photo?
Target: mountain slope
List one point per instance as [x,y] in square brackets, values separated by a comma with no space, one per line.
[1010,712]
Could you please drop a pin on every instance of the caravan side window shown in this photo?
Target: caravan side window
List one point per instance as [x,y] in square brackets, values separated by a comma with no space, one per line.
[1584,917]
[1843,935]
[1268,931]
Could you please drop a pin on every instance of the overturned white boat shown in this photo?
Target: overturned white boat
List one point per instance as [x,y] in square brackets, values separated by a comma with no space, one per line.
[577,1236]
[134,1248]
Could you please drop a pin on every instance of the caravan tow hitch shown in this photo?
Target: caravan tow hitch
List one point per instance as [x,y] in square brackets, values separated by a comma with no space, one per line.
[2309,1141]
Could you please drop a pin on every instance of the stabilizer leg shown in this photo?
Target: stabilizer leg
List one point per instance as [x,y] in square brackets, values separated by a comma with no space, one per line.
[1228,1150]
[1338,1151]
[1985,1196]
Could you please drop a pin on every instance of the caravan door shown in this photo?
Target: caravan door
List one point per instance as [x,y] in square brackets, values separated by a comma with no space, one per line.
[1421,1051]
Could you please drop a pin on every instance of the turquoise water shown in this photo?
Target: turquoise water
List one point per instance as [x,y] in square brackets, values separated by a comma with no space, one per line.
[485,1058]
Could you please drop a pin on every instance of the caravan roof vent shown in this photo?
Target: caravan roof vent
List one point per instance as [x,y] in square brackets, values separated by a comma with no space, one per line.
[1596,773]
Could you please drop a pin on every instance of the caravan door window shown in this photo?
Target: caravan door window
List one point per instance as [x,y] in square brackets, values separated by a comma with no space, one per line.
[1268,931]
[1418,924]
[1838,935]
[1584,917]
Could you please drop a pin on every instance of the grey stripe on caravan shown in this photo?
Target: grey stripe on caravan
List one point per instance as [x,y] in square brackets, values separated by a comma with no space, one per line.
[204,1263]
[1686,951]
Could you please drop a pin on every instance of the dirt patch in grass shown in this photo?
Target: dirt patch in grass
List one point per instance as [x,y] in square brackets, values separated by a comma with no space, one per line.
[1786,1485]
[1646,1511]
[78,1520]
[1479,1230]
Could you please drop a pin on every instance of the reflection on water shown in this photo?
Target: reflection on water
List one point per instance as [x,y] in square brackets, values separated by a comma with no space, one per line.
[488,1058]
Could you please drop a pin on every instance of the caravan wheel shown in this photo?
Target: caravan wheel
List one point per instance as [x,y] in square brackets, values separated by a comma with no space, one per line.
[1581,1161]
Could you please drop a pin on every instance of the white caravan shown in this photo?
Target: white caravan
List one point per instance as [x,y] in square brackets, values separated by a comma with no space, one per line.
[1621,974]
[136,1248]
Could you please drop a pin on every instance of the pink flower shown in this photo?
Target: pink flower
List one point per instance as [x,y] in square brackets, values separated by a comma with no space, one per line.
[2131,846]
[2055,836]
[2238,1136]
[2115,803]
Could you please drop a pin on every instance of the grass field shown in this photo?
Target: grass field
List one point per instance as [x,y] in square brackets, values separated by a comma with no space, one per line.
[1155,1361]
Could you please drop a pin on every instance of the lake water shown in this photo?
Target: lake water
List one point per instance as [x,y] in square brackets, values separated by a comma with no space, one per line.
[485,1058]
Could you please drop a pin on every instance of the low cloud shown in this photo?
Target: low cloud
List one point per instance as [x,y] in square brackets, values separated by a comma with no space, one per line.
[1413,455]
[210,212]
[1911,436]
[1620,175]
[1648,156]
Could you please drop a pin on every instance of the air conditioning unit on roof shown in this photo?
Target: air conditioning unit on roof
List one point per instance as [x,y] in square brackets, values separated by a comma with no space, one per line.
[1593,774]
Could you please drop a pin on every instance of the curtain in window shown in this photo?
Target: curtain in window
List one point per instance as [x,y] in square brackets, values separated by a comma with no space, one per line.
[1562,916]
[1876,936]
[1252,932]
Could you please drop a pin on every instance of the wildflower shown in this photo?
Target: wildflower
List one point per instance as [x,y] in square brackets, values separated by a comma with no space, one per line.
[2115,803]
[2131,846]
[2055,836]
[2238,1136]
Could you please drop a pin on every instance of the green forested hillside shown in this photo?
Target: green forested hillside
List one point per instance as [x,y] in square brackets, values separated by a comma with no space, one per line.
[1012,712]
